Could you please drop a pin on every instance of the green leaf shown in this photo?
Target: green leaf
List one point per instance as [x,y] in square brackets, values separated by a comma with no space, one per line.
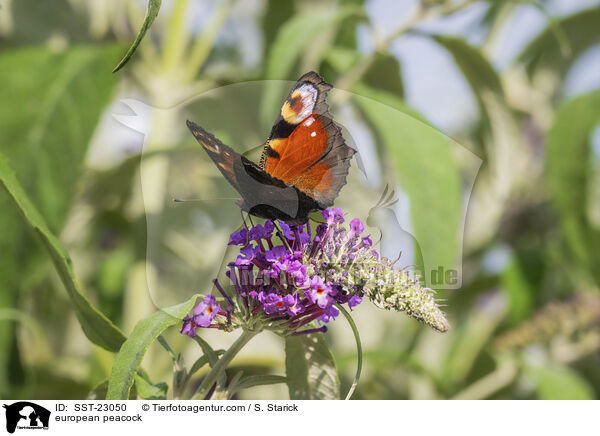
[213,358]
[518,291]
[57,98]
[151,13]
[254,380]
[275,16]
[35,22]
[390,100]
[310,368]
[146,390]
[129,358]
[347,34]
[544,53]
[561,383]
[99,329]
[99,391]
[427,172]
[385,74]
[475,67]
[568,176]
[472,334]
[497,138]
[200,362]
[292,40]
[61,98]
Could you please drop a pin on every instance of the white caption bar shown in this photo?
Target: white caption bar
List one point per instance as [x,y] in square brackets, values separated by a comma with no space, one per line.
[301,417]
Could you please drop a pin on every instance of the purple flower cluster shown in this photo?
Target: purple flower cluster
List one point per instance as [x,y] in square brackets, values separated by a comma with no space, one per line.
[286,277]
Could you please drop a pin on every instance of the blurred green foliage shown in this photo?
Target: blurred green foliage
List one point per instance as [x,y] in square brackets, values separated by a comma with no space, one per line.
[531,240]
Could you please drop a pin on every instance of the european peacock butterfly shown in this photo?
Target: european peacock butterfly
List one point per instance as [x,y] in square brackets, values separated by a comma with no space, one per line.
[304,163]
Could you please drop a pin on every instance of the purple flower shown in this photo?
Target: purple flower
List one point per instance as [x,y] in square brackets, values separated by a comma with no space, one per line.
[320,232]
[206,311]
[365,242]
[320,293]
[293,305]
[333,215]
[302,236]
[272,302]
[249,253]
[239,238]
[259,232]
[297,270]
[330,313]
[269,228]
[287,231]
[188,328]
[354,300]
[277,254]
[356,226]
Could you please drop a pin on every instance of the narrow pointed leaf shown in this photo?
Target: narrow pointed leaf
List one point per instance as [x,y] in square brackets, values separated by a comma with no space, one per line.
[151,13]
[97,327]
[129,358]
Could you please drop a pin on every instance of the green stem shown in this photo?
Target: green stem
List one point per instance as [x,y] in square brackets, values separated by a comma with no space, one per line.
[358,350]
[204,43]
[419,14]
[225,359]
[176,40]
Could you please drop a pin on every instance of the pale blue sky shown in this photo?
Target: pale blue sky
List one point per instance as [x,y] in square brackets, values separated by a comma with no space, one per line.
[435,87]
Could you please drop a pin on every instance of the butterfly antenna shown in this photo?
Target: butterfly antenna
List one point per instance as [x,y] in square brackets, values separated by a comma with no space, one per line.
[191,200]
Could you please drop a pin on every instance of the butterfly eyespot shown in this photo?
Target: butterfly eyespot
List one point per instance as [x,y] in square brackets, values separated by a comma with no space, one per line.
[313,134]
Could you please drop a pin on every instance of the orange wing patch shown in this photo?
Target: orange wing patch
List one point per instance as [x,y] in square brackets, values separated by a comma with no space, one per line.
[299,154]
[305,148]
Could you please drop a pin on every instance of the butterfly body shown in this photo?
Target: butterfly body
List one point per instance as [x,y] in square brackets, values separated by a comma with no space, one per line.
[304,161]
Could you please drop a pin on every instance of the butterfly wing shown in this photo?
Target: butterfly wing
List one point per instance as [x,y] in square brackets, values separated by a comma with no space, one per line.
[262,194]
[305,148]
